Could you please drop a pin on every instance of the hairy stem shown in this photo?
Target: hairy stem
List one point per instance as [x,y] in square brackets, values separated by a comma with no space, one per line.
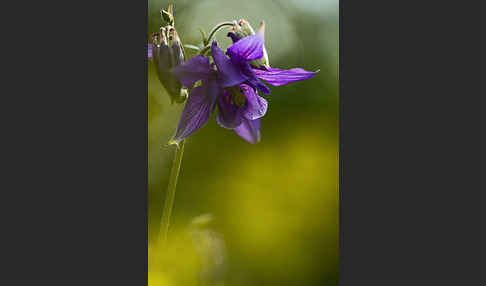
[171,189]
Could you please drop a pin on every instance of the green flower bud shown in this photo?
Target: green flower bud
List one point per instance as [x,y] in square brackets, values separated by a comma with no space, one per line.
[167,54]
[238,31]
[246,27]
[168,16]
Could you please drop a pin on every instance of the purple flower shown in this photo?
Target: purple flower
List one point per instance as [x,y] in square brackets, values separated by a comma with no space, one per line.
[232,87]
[237,103]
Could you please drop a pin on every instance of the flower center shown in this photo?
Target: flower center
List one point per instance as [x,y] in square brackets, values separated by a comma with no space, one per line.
[237,96]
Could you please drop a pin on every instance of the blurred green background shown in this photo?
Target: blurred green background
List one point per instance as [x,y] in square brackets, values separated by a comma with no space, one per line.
[264,214]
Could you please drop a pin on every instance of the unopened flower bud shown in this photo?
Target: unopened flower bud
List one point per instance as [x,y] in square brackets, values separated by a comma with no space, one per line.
[167,54]
[238,31]
[168,16]
[246,27]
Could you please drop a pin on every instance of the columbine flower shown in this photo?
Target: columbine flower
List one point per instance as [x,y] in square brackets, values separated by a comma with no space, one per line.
[237,102]
[233,88]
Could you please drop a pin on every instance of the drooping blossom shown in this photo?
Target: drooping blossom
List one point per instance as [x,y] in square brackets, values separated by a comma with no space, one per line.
[237,102]
[232,87]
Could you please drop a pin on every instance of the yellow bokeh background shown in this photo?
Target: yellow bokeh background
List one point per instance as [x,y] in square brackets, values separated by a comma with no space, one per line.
[264,214]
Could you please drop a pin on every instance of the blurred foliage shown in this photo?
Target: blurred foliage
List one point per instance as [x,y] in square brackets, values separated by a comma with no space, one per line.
[264,214]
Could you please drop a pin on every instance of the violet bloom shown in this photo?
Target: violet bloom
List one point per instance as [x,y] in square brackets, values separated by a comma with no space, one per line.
[233,88]
[237,102]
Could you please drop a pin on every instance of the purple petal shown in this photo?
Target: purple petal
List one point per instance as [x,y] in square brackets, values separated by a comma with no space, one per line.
[255,106]
[194,69]
[229,115]
[197,110]
[249,48]
[252,78]
[229,73]
[278,77]
[249,130]
[257,84]
[213,90]
[149,54]
[236,70]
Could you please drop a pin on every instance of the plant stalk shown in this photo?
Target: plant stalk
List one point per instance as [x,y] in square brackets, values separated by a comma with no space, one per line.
[216,29]
[171,189]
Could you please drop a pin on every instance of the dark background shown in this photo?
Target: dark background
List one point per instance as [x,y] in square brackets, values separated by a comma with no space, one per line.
[74,184]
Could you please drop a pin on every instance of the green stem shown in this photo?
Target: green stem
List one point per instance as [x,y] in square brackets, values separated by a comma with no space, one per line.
[171,189]
[204,50]
[216,29]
